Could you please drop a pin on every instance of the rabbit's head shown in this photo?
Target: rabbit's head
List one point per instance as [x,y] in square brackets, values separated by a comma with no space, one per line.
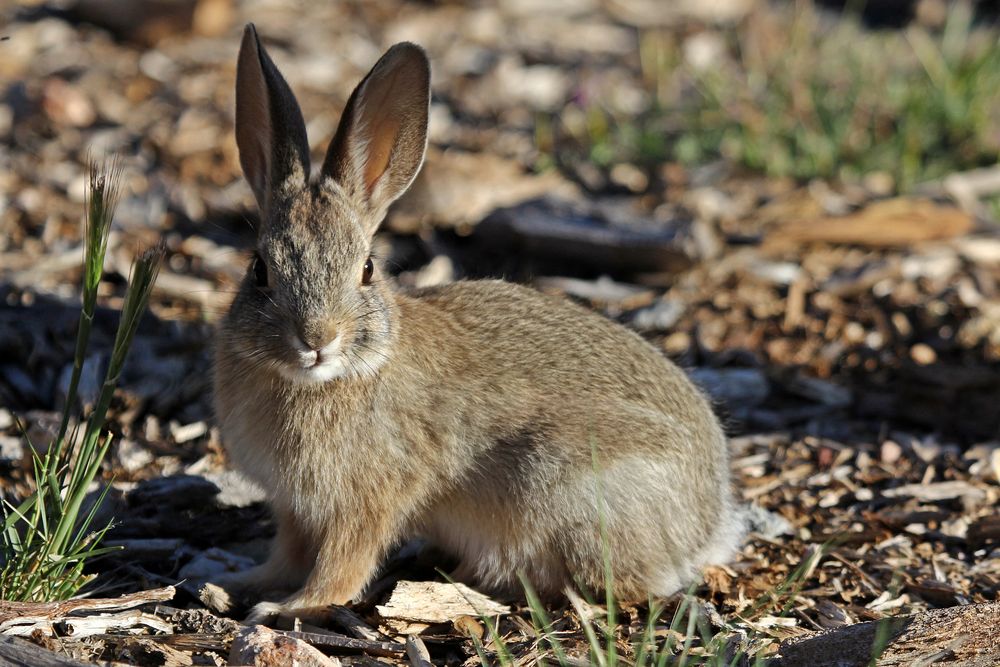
[313,304]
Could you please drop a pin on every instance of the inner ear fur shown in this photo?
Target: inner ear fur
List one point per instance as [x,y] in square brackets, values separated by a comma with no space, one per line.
[382,136]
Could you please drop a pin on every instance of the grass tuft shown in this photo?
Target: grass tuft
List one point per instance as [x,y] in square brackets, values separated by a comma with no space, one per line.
[800,92]
[48,539]
[687,640]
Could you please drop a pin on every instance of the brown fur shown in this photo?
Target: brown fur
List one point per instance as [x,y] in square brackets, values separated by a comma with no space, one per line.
[522,433]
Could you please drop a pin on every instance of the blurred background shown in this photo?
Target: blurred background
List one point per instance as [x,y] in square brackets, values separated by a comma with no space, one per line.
[795,200]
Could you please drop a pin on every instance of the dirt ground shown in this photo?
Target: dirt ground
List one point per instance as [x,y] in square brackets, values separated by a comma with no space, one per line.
[848,335]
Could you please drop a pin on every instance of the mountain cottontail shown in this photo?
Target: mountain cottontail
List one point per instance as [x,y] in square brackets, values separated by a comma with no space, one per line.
[522,433]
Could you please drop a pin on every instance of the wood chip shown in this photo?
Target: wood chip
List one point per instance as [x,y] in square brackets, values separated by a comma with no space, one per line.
[417,652]
[332,640]
[888,223]
[436,602]
[938,491]
[14,615]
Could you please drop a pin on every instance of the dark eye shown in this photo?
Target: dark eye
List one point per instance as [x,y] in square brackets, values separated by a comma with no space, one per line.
[259,271]
[366,273]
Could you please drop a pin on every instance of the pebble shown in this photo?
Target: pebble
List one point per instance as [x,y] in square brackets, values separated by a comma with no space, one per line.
[923,354]
[890,452]
[629,176]
[187,432]
[132,456]
[661,316]
[263,647]
[11,448]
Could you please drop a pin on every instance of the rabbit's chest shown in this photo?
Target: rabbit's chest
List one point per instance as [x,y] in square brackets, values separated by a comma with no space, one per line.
[303,448]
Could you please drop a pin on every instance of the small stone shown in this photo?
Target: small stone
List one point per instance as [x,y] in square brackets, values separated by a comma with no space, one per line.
[678,342]
[132,456]
[923,354]
[187,432]
[854,333]
[880,183]
[11,448]
[661,316]
[66,104]
[263,647]
[778,273]
[704,50]
[629,176]
[890,452]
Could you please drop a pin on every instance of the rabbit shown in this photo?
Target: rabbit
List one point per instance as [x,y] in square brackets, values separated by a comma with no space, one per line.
[522,433]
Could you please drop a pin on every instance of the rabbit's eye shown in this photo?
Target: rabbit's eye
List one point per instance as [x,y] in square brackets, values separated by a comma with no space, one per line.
[259,271]
[366,273]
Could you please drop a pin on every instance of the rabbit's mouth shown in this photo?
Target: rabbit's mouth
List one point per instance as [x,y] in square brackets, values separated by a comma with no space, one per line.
[310,366]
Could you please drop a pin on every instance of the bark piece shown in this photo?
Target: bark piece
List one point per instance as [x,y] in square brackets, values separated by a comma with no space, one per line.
[883,224]
[435,602]
[938,491]
[556,233]
[333,640]
[957,635]
[417,652]
[15,616]
[457,188]
[353,624]
[148,651]
[87,626]
[17,652]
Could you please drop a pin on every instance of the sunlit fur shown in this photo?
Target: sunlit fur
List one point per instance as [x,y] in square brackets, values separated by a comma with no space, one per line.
[520,432]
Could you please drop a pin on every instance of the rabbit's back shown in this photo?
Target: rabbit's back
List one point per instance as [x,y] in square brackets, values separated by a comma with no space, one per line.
[511,339]
[578,434]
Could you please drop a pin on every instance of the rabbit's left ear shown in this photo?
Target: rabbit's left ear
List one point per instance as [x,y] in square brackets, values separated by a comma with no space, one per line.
[382,137]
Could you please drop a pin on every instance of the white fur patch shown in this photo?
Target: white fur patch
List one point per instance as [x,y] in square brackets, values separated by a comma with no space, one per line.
[313,368]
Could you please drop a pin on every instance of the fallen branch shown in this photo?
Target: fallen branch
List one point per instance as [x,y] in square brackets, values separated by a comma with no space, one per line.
[17,652]
[336,641]
[16,617]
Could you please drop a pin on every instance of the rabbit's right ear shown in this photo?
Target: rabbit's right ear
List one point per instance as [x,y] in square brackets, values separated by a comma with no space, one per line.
[270,132]
[382,137]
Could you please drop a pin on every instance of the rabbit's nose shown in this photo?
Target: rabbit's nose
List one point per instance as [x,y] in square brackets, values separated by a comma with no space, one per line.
[318,336]
[317,345]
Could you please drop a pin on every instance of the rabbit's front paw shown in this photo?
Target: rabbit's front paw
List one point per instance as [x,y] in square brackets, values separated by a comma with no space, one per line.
[266,613]
[216,598]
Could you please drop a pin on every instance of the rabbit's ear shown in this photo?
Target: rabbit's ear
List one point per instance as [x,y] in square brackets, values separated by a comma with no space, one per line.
[270,132]
[382,137]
